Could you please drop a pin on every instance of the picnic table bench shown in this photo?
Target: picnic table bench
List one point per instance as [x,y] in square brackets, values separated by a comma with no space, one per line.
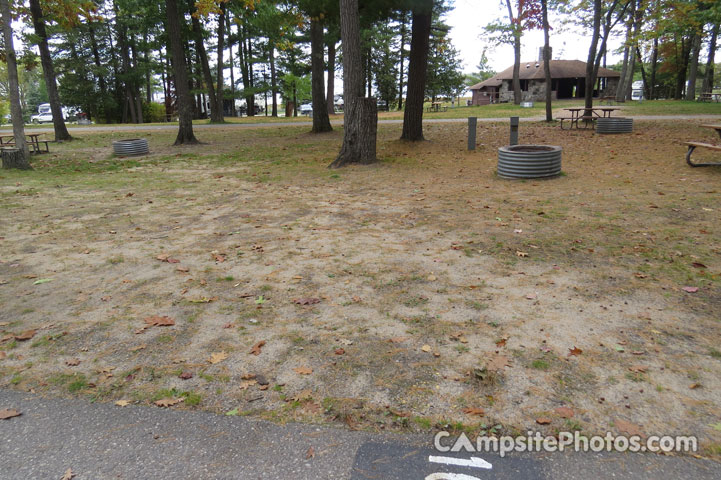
[694,145]
[35,145]
[575,115]
[437,107]
[709,97]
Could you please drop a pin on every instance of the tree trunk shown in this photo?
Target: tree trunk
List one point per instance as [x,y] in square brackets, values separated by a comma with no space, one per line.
[693,67]
[401,53]
[682,67]
[19,159]
[321,122]
[360,121]
[219,97]
[61,131]
[417,70]
[230,61]
[515,25]
[643,72]
[273,81]
[592,52]
[654,68]
[621,89]
[547,62]
[215,116]
[99,76]
[330,92]
[185,101]
[708,74]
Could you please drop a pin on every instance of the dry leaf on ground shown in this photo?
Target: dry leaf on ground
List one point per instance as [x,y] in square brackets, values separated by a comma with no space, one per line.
[69,475]
[73,362]
[6,413]
[543,421]
[303,370]
[426,348]
[185,376]
[158,321]
[638,369]
[627,427]
[122,403]
[474,411]
[27,335]
[498,362]
[310,453]
[398,339]
[256,350]
[564,412]
[168,402]
[574,351]
[339,351]
[217,357]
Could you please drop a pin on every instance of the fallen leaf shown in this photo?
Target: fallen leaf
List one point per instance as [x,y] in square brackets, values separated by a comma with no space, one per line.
[698,265]
[339,351]
[574,351]
[638,369]
[42,280]
[564,412]
[2,355]
[303,370]
[256,348]
[232,413]
[356,299]
[68,474]
[202,300]
[139,347]
[498,362]
[531,296]
[306,301]
[6,413]
[310,453]
[73,362]
[158,321]
[431,278]
[426,348]
[346,342]
[218,257]
[185,376]
[247,383]
[122,403]
[543,421]
[168,402]
[627,427]
[303,395]
[694,386]
[501,342]
[172,260]
[27,335]
[690,289]
[398,339]
[183,269]
[474,411]
[521,254]
[217,357]
[640,275]
[30,276]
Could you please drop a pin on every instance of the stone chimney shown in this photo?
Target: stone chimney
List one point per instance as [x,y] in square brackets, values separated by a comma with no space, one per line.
[540,53]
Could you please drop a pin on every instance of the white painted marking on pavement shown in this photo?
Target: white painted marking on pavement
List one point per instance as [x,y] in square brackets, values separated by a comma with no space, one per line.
[450,476]
[475,462]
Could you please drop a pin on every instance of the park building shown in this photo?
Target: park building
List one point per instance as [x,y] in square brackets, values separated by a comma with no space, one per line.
[568,80]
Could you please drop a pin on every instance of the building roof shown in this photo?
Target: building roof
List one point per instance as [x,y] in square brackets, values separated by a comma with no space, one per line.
[534,71]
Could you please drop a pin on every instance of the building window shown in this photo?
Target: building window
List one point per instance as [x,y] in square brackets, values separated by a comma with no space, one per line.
[524,85]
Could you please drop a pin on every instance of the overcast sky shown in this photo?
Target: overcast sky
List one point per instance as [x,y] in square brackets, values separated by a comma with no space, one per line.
[470,16]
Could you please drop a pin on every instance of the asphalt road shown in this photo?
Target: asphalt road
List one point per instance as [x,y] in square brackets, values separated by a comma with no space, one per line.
[337,123]
[104,441]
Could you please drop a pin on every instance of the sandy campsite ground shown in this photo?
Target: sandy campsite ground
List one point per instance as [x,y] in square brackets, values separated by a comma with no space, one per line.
[417,293]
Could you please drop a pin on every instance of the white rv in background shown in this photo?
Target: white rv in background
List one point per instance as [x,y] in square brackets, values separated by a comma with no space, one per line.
[637,90]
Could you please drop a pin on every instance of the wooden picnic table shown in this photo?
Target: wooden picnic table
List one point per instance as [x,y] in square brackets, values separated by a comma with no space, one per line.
[596,112]
[709,97]
[693,145]
[437,107]
[32,139]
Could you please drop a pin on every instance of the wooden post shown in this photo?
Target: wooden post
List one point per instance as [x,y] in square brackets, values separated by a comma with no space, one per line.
[472,122]
[14,158]
[514,131]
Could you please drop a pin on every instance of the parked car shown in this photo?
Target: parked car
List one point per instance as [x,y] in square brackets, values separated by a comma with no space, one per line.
[306,109]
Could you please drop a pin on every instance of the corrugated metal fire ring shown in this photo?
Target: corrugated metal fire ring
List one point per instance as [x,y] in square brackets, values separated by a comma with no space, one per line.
[131,147]
[529,161]
[614,125]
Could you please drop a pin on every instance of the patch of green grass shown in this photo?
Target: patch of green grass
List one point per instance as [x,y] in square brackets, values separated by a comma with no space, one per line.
[116,260]
[80,383]
[16,379]
[540,364]
[714,353]
[192,398]
[423,422]
[228,278]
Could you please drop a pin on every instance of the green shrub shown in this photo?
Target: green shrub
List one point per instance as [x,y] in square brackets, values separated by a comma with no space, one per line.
[153,112]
